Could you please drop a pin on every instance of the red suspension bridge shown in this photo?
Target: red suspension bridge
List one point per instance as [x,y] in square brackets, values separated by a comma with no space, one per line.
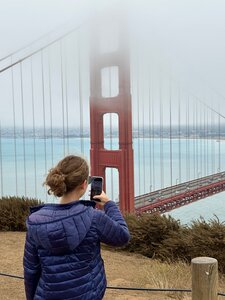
[157,145]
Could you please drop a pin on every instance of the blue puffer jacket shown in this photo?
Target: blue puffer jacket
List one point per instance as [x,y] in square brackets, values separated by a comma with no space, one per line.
[62,259]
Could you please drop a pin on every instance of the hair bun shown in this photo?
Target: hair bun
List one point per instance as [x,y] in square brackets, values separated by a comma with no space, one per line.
[56,182]
[67,175]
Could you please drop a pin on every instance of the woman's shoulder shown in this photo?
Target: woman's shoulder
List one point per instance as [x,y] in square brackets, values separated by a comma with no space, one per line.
[52,212]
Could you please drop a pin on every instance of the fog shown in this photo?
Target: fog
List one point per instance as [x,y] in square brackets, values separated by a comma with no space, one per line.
[182,38]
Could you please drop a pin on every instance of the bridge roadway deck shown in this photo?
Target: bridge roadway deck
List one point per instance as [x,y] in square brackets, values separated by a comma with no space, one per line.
[178,195]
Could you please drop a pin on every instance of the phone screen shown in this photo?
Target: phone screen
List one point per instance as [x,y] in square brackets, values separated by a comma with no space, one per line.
[96,187]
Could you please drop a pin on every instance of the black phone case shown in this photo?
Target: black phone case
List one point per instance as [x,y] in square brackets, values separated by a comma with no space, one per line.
[96,187]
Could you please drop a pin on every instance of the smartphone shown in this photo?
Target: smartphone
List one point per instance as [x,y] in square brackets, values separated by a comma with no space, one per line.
[96,186]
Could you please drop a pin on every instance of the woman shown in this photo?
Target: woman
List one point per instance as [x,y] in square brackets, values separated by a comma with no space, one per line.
[62,258]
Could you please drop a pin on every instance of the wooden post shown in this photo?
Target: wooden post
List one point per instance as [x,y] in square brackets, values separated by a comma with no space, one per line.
[204,278]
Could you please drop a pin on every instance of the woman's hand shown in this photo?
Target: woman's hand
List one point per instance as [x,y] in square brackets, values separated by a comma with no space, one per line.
[102,197]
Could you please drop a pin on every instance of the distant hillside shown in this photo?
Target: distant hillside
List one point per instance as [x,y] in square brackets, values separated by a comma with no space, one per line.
[165,132]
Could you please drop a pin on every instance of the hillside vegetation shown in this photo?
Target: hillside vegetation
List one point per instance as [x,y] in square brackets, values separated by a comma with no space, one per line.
[164,238]
[153,235]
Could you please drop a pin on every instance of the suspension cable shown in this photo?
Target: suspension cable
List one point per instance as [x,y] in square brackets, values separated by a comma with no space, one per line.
[44,110]
[194,142]
[23,130]
[14,130]
[80,95]
[161,133]
[212,142]
[143,139]
[179,133]
[171,147]
[150,132]
[153,147]
[40,49]
[187,141]
[62,99]
[207,143]
[219,145]
[50,104]
[204,129]
[138,127]
[39,39]
[34,128]
[66,99]
[197,140]
[200,136]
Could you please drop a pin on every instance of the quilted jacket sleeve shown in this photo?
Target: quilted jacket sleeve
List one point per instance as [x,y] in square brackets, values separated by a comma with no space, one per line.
[32,268]
[111,226]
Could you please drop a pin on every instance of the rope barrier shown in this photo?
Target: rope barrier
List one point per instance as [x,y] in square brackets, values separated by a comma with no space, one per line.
[149,289]
[12,276]
[128,288]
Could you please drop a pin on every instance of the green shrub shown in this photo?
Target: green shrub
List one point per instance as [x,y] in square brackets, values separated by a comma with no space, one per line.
[14,211]
[208,239]
[161,237]
[149,231]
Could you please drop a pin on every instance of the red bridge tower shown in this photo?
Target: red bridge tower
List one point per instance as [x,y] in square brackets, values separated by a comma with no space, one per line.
[122,159]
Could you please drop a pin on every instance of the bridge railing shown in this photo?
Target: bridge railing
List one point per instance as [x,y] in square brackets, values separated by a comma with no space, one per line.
[175,196]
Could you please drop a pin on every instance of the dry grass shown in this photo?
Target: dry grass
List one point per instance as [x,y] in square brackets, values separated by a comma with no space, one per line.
[139,271]
[122,268]
[165,275]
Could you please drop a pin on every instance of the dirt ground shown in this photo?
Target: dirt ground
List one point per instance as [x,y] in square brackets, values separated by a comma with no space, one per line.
[122,269]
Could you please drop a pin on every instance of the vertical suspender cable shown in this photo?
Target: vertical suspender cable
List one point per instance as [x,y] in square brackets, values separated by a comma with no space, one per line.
[23,130]
[187,142]
[153,144]
[43,106]
[219,137]
[200,137]
[143,137]
[197,139]
[207,143]
[50,104]
[171,147]
[213,141]
[179,134]
[138,127]
[194,142]
[62,89]
[132,64]
[150,133]
[1,164]
[66,97]
[14,131]
[161,134]
[34,129]
[204,129]
[80,96]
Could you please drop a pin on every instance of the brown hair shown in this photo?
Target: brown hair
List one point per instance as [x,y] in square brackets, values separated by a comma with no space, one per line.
[69,173]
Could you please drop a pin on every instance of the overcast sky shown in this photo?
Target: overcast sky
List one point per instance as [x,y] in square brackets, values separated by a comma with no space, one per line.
[188,36]
[190,33]
[23,21]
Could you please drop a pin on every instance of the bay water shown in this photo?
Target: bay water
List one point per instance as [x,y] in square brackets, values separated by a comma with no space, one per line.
[158,163]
